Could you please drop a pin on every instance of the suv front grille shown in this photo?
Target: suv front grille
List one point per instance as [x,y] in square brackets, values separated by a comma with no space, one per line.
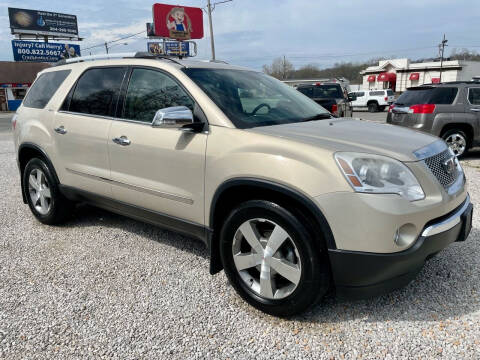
[435,162]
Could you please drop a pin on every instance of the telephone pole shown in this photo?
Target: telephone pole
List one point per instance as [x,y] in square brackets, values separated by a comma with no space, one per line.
[212,42]
[210,8]
[441,46]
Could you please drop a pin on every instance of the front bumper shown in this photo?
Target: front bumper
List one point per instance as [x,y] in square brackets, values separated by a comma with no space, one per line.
[362,274]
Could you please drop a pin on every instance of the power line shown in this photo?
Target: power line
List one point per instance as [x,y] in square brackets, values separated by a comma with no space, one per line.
[113,41]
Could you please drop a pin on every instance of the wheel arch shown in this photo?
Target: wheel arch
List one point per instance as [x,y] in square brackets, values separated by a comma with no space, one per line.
[27,151]
[466,127]
[235,191]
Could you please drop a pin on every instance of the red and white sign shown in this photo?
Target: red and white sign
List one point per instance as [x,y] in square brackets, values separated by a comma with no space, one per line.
[178,22]
[414,76]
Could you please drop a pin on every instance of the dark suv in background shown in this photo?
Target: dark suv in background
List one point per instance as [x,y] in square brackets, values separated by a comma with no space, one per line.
[331,96]
[450,110]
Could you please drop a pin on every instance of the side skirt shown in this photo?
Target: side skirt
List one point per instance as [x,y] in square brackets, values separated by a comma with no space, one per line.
[138,213]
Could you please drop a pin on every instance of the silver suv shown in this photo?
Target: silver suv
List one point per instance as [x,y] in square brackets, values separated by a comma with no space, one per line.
[450,110]
[291,202]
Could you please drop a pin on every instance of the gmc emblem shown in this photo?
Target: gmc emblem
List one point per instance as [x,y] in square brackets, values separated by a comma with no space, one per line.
[449,165]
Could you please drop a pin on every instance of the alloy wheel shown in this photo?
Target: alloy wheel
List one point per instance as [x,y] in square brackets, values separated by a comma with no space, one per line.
[39,191]
[457,143]
[266,258]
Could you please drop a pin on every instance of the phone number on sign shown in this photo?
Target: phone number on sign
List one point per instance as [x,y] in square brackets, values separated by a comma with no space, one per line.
[39,52]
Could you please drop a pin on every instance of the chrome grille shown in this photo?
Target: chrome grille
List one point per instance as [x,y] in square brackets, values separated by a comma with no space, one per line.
[435,162]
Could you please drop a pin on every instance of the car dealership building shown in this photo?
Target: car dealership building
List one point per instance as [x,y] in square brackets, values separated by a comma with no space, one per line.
[399,74]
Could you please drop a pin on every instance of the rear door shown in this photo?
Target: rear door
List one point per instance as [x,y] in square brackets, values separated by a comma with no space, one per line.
[81,129]
[473,107]
[158,169]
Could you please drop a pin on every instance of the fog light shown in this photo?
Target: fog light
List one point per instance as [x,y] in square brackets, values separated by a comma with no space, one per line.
[405,235]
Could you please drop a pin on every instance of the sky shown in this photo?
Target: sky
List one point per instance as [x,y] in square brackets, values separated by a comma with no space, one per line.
[254,32]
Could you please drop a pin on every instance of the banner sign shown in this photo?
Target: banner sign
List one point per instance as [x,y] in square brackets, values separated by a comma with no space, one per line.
[34,51]
[177,22]
[171,48]
[23,21]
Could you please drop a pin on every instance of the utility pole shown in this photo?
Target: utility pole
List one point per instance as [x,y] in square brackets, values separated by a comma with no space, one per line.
[210,8]
[212,42]
[106,47]
[442,50]
[284,68]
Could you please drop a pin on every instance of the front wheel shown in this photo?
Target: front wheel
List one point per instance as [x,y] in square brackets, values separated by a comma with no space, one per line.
[272,260]
[43,195]
[456,140]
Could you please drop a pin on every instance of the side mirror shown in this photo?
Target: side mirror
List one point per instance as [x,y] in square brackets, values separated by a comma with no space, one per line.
[352,97]
[173,117]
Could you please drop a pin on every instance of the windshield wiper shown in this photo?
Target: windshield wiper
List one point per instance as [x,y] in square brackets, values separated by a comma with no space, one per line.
[321,116]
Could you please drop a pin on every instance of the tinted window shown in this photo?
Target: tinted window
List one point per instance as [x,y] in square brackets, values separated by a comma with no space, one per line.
[150,91]
[44,87]
[360,94]
[307,90]
[438,95]
[377,93]
[251,99]
[97,91]
[328,91]
[474,96]
[390,92]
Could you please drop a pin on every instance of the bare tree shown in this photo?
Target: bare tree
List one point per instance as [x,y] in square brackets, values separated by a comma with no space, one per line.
[280,68]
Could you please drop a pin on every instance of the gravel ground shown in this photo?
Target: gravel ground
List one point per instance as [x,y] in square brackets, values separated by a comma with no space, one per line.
[103,286]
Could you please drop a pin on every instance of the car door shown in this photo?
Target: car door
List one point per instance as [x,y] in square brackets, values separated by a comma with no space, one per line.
[473,107]
[157,169]
[81,129]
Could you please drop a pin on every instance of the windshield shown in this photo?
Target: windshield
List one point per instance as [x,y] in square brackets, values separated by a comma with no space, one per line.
[438,95]
[252,99]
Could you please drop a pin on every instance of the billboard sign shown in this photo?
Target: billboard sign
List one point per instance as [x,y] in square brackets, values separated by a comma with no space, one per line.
[33,51]
[24,21]
[177,22]
[172,48]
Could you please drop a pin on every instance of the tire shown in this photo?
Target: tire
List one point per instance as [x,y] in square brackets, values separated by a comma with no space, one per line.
[305,257]
[458,141]
[373,107]
[382,108]
[46,202]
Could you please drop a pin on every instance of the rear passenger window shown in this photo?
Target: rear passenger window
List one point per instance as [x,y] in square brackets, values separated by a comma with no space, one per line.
[360,94]
[377,93]
[43,88]
[150,91]
[443,95]
[97,91]
[474,96]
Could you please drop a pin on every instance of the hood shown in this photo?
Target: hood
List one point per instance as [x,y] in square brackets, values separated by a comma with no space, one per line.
[346,134]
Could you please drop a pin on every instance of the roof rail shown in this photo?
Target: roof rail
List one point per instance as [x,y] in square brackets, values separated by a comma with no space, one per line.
[126,55]
[217,61]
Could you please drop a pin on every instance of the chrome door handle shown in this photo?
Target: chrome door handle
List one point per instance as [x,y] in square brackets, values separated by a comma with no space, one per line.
[475,109]
[61,130]
[122,140]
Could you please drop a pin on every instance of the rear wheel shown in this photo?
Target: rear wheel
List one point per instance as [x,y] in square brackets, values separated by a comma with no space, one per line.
[373,107]
[456,140]
[272,260]
[43,195]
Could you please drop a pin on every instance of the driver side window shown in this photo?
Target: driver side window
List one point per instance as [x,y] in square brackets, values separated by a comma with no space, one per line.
[152,90]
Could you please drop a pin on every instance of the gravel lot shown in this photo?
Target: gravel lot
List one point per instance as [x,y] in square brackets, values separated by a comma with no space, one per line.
[103,286]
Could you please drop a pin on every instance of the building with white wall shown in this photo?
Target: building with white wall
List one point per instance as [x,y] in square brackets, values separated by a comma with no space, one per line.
[399,74]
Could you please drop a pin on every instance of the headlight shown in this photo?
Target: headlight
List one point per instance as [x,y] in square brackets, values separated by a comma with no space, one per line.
[370,173]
